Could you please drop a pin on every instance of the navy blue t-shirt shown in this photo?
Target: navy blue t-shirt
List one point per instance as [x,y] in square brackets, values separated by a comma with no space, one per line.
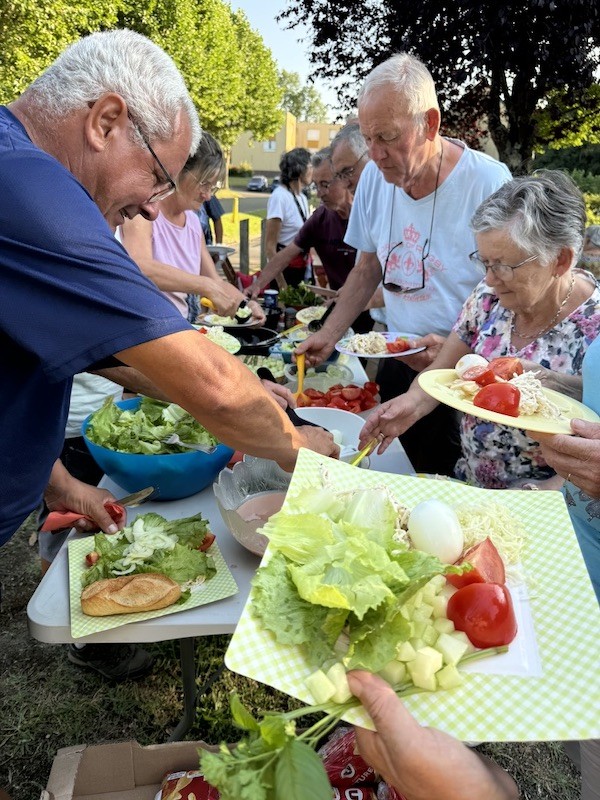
[70,296]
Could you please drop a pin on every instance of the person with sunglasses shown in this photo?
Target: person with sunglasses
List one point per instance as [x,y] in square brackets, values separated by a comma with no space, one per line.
[532,304]
[410,220]
[171,250]
[100,137]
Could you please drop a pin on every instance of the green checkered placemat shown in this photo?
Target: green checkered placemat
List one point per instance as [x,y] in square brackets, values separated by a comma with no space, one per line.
[562,704]
[218,587]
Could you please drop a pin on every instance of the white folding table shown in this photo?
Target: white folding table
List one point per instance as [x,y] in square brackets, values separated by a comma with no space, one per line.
[48,610]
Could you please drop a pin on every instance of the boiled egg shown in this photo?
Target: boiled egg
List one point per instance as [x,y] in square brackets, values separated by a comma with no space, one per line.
[433,527]
[468,362]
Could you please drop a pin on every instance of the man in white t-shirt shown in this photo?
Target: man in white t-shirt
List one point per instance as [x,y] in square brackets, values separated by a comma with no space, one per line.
[410,220]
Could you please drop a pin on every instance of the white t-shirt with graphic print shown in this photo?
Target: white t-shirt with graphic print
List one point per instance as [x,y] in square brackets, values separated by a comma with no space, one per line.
[449,275]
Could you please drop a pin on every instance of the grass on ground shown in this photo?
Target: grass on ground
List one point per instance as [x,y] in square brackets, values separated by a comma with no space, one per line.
[47,703]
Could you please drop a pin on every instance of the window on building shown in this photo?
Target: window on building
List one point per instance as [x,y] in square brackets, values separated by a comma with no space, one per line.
[312,135]
[270,146]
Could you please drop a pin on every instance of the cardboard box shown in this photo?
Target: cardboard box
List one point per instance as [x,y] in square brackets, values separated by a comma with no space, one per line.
[119,771]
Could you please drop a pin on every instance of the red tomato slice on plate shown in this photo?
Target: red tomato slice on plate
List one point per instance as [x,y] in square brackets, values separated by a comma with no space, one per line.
[397,346]
[503,398]
[481,375]
[487,564]
[506,367]
[484,611]
[314,394]
[351,393]
[207,541]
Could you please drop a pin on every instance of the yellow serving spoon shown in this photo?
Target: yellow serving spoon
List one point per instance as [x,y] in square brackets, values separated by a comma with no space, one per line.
[366,451]
[300,364]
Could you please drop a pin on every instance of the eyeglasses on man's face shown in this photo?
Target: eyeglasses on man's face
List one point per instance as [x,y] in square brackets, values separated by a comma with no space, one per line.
[505,272]
[397,288]
[347,173]
[209,187]
[171,186]
[325,186]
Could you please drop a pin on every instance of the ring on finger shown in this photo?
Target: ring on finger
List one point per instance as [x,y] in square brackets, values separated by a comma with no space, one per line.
[568,478]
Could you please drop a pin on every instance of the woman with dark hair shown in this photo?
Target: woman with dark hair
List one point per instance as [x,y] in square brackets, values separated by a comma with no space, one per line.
[172,251]
[287,211]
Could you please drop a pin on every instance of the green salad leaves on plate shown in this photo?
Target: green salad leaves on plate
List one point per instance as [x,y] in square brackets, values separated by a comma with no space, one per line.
[154,544]
[142,430]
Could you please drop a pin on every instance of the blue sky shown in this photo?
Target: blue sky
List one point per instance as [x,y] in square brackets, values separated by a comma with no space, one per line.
[287,47]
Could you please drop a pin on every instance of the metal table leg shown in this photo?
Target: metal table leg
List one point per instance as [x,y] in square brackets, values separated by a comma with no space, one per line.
[187,659]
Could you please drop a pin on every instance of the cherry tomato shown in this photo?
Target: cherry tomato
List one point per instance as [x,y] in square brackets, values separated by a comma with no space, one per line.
[481,375]
[368,404]
[351,393]
[484,611]
[397,346]
[314,394]
[207,541]
[487,564]
[503,398]
[506,367]
[371,387]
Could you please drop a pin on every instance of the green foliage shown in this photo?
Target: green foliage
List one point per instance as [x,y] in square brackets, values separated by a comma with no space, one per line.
[567,120]
[243,170]
[301,100]
[509,56]
[585,159]
[229,70]
[592,204]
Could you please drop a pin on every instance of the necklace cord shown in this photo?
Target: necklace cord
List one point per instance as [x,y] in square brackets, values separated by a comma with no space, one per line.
[552,322]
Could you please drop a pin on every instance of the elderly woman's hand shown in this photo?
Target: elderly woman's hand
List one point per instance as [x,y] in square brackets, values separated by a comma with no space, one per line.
[433,344]
[576,458]
[389,420]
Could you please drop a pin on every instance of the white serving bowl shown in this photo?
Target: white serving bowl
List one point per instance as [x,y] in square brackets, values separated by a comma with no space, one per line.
[334,419]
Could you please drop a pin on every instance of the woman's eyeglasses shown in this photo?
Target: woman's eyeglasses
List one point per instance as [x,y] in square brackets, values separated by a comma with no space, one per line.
[502,271]
[210,188]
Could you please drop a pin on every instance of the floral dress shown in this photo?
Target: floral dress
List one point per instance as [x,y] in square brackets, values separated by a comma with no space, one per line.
[496,456]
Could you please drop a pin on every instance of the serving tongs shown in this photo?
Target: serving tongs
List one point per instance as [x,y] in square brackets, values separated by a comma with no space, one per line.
[240,318]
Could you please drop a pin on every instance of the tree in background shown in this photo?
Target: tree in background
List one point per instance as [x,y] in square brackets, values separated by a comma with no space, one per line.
[300,99]
[229,71]
[507,57]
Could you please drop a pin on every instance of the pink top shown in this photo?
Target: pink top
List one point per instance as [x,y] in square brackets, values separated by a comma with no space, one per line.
[180,247]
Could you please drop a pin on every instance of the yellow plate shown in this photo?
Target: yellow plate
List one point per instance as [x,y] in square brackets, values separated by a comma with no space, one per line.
[436,383]
[306,315]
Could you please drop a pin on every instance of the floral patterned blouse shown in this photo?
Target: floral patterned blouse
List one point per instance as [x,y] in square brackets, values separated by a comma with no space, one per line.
[495,456]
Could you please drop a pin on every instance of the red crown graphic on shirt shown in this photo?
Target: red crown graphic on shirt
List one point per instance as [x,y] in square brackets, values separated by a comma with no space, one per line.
[411,234]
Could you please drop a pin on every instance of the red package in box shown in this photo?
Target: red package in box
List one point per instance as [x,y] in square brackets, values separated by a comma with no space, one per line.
[344,766]
[188,785]
[354,793]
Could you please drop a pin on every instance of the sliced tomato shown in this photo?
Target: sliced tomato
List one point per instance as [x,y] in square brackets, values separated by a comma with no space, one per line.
[314,394]
[351,393]
[371,387]
[506,367]
[322,403]
[481,375]
[303,401]
[207,541]
[503,398]
[355,407]
[487,564]
[367,404]
[397,346]
[484,611]
[338,402]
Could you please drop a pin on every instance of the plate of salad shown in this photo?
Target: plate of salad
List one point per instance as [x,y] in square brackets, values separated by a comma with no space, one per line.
[183,549]
[532,691]
[374,344]
[501,391]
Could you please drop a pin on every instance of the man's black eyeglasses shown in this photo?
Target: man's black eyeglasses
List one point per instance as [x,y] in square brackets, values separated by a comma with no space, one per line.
[172,186]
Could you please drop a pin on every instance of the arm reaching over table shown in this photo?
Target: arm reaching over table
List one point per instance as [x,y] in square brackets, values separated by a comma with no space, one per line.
[422,763]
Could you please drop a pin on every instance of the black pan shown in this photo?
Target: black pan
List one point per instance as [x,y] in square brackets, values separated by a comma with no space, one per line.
[254,341]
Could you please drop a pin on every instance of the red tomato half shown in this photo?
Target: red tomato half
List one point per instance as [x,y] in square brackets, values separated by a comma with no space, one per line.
[503,398]
[481,375]
[351,393]
[397,346]
[487,564]
[207,541]
[371,387]
[484,611]
[506,367]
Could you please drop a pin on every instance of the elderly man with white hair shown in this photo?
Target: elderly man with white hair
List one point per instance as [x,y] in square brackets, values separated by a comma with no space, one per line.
[410,220]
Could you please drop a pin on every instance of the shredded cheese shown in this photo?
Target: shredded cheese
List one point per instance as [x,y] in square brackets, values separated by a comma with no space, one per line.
[369,344]
[496,521]
[533,400]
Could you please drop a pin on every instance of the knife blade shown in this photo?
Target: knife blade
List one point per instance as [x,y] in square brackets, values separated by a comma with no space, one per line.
[137,498]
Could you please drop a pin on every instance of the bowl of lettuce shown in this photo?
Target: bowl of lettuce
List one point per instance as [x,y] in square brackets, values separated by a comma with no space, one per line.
[125,440]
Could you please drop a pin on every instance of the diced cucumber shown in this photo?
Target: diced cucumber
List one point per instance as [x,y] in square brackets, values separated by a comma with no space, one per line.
[394,673]
[429,592]
[430,635]
[417,643]
[443,625]
[423,612]
[451,648]
[337,675]
[438,582]
[406,612]
[462,637]
[449,677]
[423,668]
[417,599]
[440,606]
[405,652]
[418,628]
[321,688]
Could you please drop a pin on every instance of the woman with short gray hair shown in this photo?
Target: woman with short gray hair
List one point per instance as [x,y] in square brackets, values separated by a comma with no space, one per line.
[533,305]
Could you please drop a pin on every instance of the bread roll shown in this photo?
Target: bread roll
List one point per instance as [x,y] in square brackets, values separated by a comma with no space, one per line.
[128,594]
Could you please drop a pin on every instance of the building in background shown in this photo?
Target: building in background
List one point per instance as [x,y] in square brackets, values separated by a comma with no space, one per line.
[263,157]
